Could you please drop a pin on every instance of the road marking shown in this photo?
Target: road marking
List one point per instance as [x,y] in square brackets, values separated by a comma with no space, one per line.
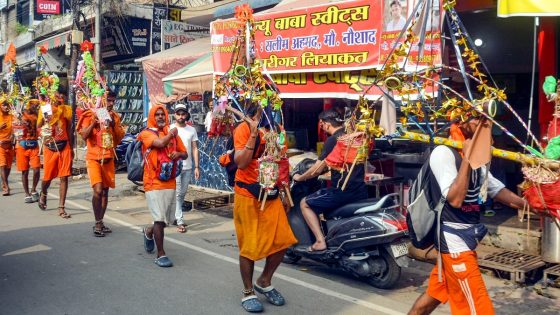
[376,307]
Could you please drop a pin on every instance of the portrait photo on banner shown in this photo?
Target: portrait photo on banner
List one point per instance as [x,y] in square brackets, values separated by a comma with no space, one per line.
[395,13]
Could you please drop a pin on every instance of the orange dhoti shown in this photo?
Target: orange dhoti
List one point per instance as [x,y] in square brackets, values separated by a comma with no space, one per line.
[57,163]
[261,233]
[26,158]
[6,157]
[462,285]
[101,171]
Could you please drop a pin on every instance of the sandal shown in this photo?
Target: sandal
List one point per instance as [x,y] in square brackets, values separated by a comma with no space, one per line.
[42,201]
[182,228]
[272,295]
[251,303]
[98,232]
[63,213]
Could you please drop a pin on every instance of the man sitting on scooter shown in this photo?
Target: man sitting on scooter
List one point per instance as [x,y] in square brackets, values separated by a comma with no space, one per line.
[328,199]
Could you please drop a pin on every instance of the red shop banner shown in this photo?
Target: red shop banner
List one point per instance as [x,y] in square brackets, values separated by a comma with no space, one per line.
[344,36]
[48,7]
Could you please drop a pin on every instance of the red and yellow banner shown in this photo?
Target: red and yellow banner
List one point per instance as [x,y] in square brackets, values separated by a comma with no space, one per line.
[348,35]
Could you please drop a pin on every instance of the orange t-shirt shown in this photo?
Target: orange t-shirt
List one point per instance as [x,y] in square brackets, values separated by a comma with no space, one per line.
[95,152]
[250,174]
[6,133]
[151,180]
[62,116]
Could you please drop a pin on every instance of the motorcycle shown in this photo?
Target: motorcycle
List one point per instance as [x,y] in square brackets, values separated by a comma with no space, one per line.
[367,238]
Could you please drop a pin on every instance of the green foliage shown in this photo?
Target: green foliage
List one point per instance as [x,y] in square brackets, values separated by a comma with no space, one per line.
[552,150]
[20,28]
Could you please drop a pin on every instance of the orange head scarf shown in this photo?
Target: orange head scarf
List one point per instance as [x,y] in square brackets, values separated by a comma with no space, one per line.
[152,118]
[456,134]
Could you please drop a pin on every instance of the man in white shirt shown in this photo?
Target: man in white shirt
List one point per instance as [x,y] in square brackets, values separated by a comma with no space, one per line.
[209,116]
[397,21]
[190,139]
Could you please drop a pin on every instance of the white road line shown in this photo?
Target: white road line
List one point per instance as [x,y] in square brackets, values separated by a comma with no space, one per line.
[376,307]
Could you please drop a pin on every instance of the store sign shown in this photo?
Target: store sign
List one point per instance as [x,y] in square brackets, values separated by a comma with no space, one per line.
[349,35]
[45,9]
[162,12]
[48,7]
[125,38]
[177,33]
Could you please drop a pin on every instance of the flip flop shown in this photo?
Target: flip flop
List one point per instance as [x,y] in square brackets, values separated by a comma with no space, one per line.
[272,295]
[252,304]
[149,243]
[163,261]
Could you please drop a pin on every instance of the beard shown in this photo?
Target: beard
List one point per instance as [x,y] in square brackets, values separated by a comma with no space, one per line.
[181,120]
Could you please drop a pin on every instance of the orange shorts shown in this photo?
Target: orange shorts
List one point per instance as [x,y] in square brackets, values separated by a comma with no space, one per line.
[462,285]
[6,157]
[57,163]
[26,158]
[101,173]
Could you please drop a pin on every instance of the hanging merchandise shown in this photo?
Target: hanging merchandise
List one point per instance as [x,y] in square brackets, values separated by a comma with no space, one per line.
[245,87]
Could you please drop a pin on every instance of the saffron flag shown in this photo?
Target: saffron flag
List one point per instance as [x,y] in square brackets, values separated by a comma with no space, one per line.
[10,56]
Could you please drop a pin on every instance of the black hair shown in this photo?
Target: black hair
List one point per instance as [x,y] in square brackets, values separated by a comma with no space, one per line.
[331,116]
[396,2]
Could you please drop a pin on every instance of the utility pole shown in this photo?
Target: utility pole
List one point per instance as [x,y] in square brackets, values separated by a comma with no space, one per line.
[73,65]
[97,47]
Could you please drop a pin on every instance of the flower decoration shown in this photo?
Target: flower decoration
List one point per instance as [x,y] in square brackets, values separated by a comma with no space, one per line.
[86,46]
[243,13]
[43,50]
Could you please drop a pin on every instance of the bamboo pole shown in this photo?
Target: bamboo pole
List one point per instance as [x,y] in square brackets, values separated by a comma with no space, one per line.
[508,155]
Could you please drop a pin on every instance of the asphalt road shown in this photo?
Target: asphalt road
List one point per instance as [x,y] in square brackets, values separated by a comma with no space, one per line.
[49,265]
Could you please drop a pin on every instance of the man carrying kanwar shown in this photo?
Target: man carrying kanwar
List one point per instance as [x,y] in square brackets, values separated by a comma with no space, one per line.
[6,144]
[27,151]
[461,281]
[260,233]
[55,125]
[164,152]
[101,138]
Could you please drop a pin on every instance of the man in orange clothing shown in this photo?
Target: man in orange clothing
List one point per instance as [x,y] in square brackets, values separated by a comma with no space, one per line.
[6,144]
[27,152]
[55,125]
[462,284]
[101,139]
[260,234]
[164,153]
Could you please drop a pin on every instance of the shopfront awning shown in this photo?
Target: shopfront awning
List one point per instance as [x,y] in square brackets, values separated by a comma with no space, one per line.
[194,77]
[54,41]
[158,66]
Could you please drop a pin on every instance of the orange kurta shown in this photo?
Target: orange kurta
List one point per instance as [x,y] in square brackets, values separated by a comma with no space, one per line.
[151,180]
[259,233]
[99,163]
[58,163]
[28,157]
[6,148]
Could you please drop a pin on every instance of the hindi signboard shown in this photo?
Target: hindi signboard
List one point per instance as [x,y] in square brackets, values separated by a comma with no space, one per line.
[342,36]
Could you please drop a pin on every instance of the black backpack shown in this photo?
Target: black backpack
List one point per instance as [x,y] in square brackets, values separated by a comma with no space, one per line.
[425,206]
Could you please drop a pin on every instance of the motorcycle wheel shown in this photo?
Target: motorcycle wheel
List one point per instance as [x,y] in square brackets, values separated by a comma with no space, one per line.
[390,273]
[290,257]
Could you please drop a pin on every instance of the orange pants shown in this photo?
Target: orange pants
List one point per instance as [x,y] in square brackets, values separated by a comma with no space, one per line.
[57,163]
[101,173]
[462,285]
[6,157]
[26,158]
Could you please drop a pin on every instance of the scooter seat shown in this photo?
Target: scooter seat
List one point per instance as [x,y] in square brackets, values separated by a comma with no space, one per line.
[364,206]
[349,209]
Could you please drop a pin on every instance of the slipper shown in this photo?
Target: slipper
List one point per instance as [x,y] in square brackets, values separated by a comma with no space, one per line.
[149,243]
[163,261]
[272,295]
[63,213]
[98,232]
[182,228]
[42,201]
[252,304]
[489,213]
[28,199]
